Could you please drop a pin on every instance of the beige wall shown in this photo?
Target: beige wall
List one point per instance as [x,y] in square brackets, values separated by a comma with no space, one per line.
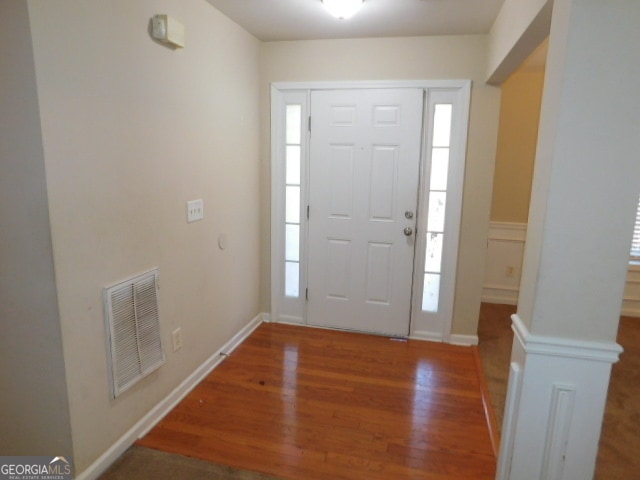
[34,411]
[405,59]
[131,131]
[516,152]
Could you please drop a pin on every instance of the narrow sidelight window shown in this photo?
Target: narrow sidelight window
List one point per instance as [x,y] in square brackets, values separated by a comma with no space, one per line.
[440,149]
[293,149]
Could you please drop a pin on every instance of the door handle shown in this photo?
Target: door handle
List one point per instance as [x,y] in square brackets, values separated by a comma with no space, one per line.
[408,231]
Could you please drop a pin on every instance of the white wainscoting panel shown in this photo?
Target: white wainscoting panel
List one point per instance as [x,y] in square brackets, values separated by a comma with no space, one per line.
[505,250]
[561,414]
[631,303]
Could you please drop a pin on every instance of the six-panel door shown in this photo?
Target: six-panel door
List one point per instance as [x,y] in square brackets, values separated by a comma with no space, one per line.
[363,193]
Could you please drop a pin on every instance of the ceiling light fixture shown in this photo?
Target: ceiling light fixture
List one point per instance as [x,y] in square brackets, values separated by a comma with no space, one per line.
[342,9]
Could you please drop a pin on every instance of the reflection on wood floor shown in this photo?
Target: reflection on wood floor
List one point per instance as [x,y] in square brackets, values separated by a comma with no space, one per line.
[303,403]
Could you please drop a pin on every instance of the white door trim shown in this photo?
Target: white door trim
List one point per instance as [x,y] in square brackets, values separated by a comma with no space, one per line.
[293,310]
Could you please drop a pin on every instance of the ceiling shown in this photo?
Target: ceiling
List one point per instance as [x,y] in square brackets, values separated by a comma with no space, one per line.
[274,20]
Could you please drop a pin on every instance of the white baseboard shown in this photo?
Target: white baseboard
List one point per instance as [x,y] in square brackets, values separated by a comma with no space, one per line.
[426,336]
[454,339]
[286,319]
[631,307]
[631,312]
[464,340]
[146,423]
[239,337]
[501,294]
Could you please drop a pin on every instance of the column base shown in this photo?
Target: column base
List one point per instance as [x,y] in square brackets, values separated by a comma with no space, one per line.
[555,403]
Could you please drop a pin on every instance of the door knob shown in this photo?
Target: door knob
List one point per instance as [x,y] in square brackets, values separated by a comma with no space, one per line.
[408,231]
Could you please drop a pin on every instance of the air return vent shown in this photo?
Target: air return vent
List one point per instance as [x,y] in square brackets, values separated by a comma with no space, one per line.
[133,330]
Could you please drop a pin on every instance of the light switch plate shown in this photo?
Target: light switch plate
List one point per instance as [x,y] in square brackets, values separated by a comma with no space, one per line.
[176,338]
[195,210]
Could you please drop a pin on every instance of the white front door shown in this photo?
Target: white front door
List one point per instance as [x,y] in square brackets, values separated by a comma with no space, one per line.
[363,194]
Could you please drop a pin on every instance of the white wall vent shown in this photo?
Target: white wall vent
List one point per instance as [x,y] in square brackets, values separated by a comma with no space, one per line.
[133,330]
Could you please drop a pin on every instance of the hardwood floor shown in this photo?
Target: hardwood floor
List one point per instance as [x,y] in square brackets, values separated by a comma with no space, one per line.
[303,403]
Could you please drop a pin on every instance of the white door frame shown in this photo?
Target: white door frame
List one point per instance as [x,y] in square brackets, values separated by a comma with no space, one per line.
[423,325]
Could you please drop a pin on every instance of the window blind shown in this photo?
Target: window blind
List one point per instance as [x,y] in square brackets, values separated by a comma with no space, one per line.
[635,246]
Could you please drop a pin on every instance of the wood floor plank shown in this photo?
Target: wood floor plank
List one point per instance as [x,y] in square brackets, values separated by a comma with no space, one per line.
[303,403]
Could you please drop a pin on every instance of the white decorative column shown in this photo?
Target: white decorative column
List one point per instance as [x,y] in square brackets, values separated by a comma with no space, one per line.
[585,192]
